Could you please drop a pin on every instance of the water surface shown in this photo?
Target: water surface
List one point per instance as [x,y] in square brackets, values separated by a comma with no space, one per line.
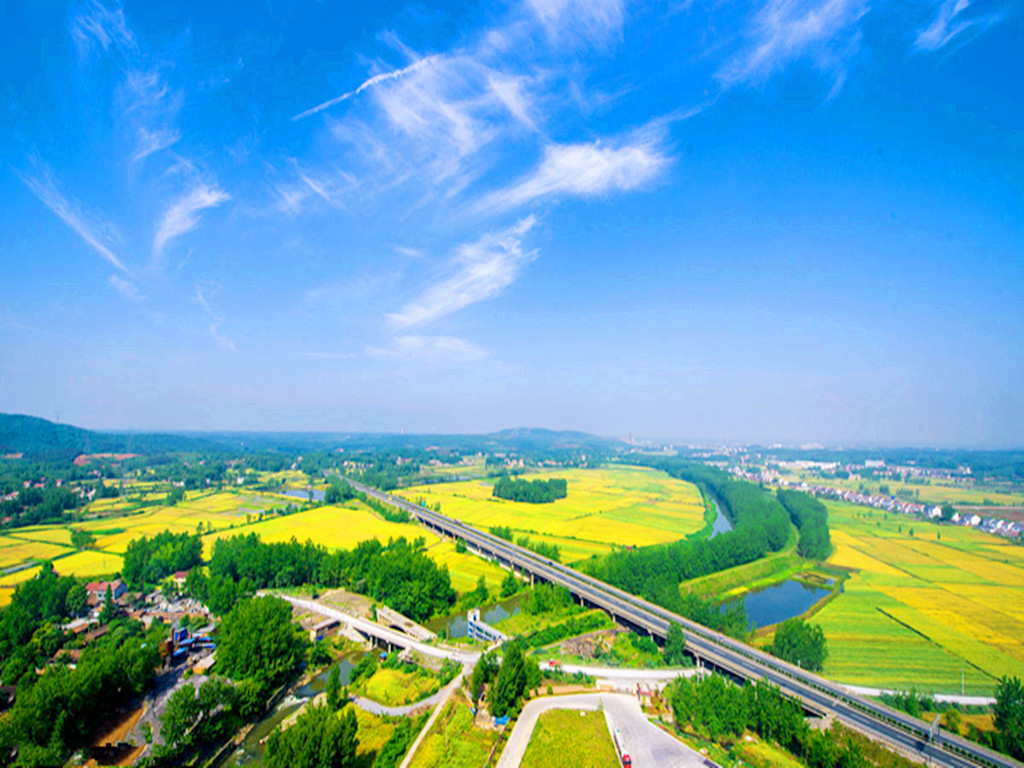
[780,602]
[458,625]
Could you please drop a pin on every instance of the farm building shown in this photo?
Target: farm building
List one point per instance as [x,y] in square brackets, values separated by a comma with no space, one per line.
[98,589]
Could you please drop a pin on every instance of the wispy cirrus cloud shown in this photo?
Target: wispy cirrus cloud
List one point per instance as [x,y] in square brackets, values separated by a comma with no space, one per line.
[182,216]
[428,348]
[951,22]
[825,32]
[585,170]
[593,21]
[480,270]
[147,105]
[126,288]
[95,26]
[205,293]
[43,186]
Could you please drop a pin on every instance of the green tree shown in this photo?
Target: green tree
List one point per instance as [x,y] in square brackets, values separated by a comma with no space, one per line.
[484,672]
[1009,716]
[510,682]
[109,610]
[76,600]
[948,511]
[509,585]
[801,643]
[334,689]
[179,716]
[675,645]
[320,738]
[258,640]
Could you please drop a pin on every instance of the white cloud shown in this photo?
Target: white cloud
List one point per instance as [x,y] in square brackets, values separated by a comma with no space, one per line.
[183,215]
[510,90]
[593,20]
[150,141]
[221,340]
[43,186]
[482,270]
[126,288]
[97,25]
[949,23]
[428,347]
[825,31]
[584,170]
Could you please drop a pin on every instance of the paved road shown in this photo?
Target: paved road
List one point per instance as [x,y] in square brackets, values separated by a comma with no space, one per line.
[374,708]
[868,717]
[646,744]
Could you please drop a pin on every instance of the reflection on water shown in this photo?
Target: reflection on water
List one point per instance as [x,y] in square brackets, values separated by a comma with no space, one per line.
[251,750]
[780,602]
[458,626]
[304,495]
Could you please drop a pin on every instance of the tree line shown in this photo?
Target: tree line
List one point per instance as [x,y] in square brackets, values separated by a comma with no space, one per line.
[149,561]
[810,517]
[530,491]
[399,573]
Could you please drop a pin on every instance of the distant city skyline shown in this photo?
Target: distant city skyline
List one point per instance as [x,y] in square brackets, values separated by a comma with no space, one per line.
[789,222]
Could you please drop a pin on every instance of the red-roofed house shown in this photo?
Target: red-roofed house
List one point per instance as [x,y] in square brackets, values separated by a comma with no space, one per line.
[98,589]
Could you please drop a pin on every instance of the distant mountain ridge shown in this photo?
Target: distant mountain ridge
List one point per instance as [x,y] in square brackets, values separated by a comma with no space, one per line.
[40,439]
[45,440]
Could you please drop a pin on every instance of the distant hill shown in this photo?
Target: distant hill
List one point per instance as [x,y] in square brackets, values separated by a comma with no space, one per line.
[39,439]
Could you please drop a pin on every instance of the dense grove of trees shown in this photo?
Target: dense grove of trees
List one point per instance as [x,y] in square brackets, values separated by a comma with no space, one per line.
[399,574]
[338,491]
[150,560]
[801,643]
[30,626]
[196,719]
[530,491]
[508,681]
[320,738]
[810,516]
[257,640]
[39,505]
[58,711]
[721,710]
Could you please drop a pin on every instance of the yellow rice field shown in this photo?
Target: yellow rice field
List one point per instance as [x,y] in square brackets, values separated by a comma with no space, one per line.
[616,505]
[224,513]
[919,610]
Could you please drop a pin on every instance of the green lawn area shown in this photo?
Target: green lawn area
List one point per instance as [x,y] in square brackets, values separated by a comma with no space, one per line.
[454,742]
[396,687]
[566,738]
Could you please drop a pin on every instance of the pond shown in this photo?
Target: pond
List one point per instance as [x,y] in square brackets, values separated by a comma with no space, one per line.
[458,625]
[251,750]
[780,602]
[722,523]
[304,495]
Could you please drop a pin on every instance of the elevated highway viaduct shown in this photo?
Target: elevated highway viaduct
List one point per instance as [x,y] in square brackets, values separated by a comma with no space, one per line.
[817,694]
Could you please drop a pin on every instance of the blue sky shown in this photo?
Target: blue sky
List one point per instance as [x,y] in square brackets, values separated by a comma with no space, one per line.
[798,220]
